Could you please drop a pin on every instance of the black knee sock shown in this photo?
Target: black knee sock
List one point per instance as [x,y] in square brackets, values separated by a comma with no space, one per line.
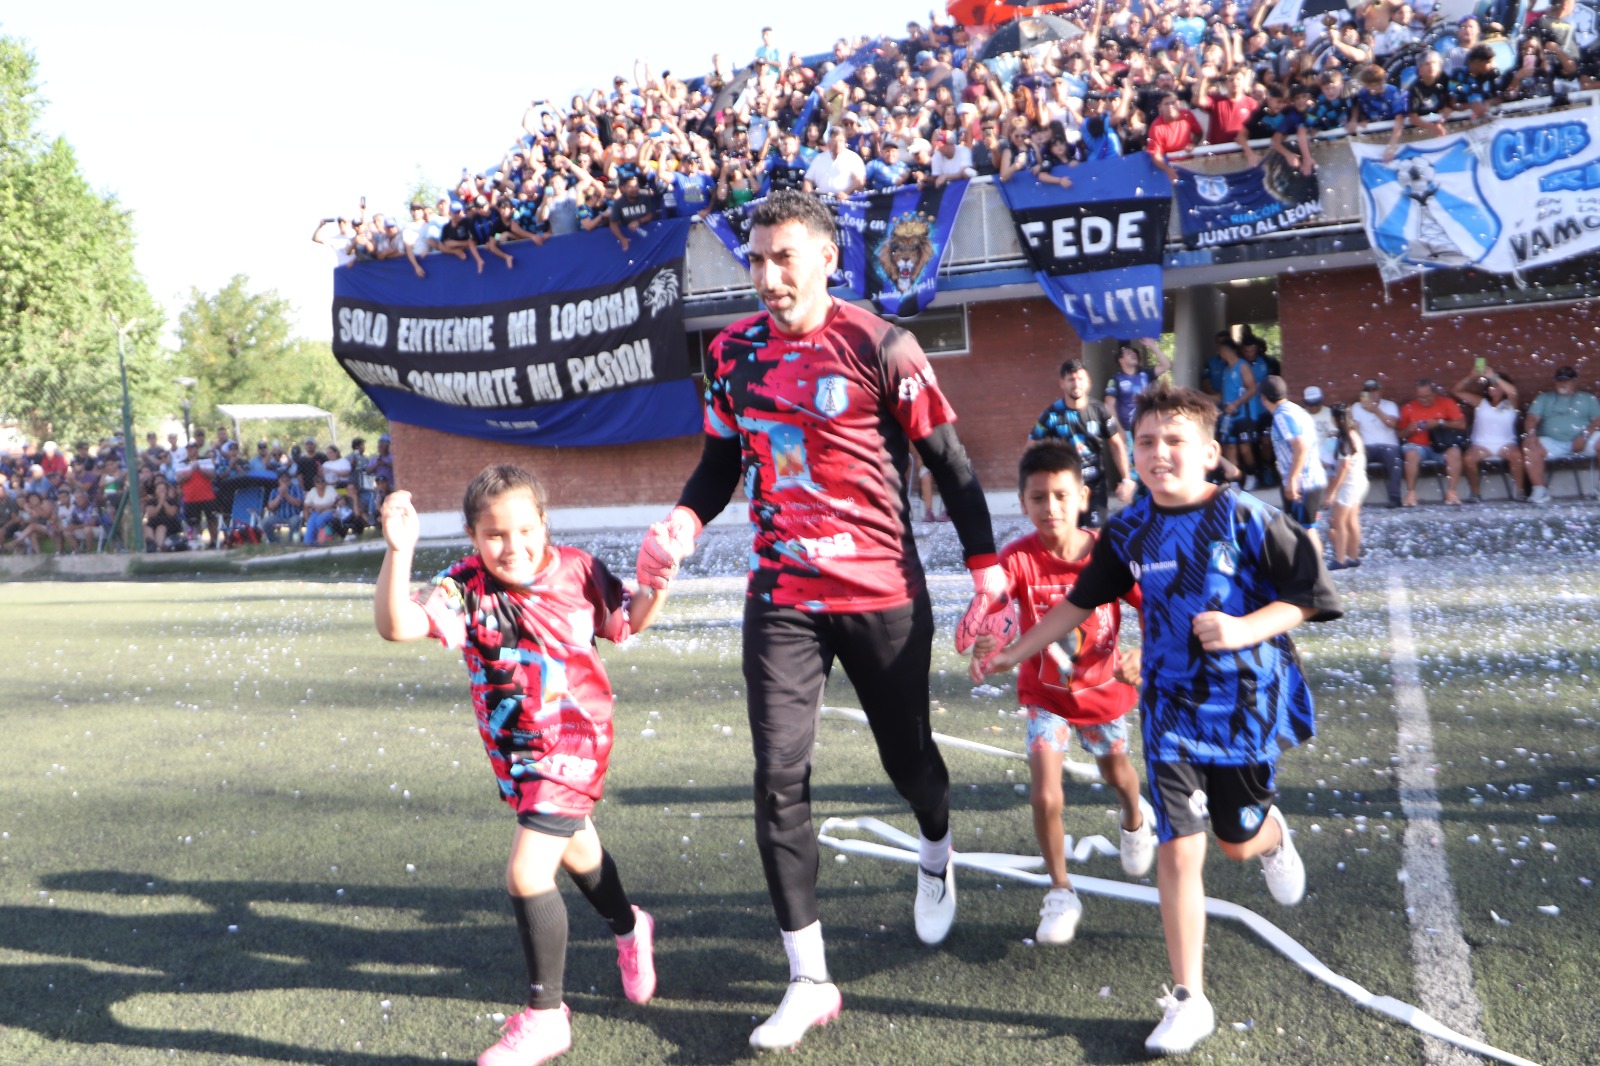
[603,889]
[542,928]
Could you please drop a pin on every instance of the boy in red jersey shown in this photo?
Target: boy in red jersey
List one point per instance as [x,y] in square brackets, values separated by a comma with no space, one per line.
[1078,685]
[524,614]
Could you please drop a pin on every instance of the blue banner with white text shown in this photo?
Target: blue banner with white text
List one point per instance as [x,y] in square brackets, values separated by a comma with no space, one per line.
[1095,238]
[577,343]
[896,239]
[1218,209]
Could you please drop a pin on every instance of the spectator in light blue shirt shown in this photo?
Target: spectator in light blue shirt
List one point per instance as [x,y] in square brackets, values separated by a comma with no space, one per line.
[768,50]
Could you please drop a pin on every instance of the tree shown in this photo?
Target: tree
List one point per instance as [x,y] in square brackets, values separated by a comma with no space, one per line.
[238,345]
[66,273]
[424,191]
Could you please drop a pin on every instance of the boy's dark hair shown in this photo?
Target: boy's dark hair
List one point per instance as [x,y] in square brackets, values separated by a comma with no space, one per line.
[1481,53]
[1071,366]
[1167,400]
[495,482]
[792,205]
[1049,457]
[1274,389]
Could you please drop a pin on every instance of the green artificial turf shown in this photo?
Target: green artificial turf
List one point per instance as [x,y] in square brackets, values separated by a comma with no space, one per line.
[240,828]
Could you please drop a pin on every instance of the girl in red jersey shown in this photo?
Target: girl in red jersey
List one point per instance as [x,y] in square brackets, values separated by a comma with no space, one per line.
[524,614]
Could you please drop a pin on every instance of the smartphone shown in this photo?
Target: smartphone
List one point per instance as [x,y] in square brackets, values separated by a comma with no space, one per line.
[363,203]
[1480,364]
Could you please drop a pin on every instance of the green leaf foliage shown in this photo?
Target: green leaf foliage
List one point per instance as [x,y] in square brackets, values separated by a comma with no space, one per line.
[239,346]
[66,274]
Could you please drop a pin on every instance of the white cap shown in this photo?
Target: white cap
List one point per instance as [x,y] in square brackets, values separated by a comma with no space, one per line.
[1313,394]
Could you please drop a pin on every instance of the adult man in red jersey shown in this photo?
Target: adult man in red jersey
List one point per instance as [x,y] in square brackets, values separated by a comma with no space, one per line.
[818,404]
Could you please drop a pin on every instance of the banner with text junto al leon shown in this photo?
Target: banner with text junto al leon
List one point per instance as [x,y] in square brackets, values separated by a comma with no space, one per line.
[1506,196]
[578,344]
[1234,208]
[1096,247]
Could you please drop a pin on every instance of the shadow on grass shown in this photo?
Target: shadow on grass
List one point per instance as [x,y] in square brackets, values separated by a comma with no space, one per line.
[719,966]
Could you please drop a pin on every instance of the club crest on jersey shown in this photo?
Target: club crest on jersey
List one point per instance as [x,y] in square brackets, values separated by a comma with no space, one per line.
[833,396]
[1224,558]
[1251,817]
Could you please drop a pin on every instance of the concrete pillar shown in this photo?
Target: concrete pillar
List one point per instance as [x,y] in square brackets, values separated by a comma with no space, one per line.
[1198,313]
[1100,359]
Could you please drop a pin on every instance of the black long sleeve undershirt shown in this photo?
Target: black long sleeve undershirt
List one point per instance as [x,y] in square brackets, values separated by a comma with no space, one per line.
[946,459]
[711,486]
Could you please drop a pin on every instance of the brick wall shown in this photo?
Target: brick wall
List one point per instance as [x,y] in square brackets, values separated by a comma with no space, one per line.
[997,390]
[1338,329]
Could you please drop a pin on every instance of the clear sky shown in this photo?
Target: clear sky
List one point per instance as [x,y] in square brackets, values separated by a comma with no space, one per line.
[230,129]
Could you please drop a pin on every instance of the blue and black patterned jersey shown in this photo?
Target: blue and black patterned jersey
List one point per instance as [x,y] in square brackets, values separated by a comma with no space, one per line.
[1329,114]
[1231,553]
[1087,430]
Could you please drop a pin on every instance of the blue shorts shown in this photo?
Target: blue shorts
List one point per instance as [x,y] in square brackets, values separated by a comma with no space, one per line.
[1237,428]
[1051,732]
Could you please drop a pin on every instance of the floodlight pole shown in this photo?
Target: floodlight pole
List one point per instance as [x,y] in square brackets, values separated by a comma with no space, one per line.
[130,448]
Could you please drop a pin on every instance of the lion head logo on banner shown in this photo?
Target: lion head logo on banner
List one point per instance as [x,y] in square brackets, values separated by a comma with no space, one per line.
[907,251]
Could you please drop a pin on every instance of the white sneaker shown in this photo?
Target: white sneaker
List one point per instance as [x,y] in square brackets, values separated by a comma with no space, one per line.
[1188,1020]
[1286,874]
[1540,495]
[1139,845]
[1058,918]
[934,911]
[807,1003]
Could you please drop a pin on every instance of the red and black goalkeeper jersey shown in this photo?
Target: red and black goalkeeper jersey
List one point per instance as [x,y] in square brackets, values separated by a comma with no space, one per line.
[540,693]
[825,424]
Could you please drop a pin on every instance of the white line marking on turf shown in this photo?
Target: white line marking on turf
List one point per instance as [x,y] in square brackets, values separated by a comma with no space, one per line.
[904,848]
[1439,952]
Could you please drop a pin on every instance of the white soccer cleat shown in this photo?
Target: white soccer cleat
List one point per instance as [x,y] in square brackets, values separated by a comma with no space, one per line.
[1139,845]
[1286,874]
[935,908]
[1188,1020]
[807,1003]
[1058,918]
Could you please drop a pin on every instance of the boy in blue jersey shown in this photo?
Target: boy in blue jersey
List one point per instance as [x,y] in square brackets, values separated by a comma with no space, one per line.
[1224,577]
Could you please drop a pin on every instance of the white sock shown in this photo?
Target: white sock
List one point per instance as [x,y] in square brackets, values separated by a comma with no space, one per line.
[933,855]
[807,958]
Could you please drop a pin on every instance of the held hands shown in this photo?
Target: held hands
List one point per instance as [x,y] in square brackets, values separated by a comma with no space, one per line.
[988,657]
[992,611]
[401,527]
[666,544]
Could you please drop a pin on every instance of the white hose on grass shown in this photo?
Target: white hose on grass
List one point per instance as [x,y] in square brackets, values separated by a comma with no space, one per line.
[902,847]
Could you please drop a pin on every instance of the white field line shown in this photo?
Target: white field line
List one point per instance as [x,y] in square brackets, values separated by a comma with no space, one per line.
[1438,950]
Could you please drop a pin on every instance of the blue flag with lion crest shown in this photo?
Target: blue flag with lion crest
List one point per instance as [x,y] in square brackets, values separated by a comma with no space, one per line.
[891,243]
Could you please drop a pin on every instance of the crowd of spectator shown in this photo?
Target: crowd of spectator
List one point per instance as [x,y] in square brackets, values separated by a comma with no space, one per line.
[1160,76]
[198,494]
